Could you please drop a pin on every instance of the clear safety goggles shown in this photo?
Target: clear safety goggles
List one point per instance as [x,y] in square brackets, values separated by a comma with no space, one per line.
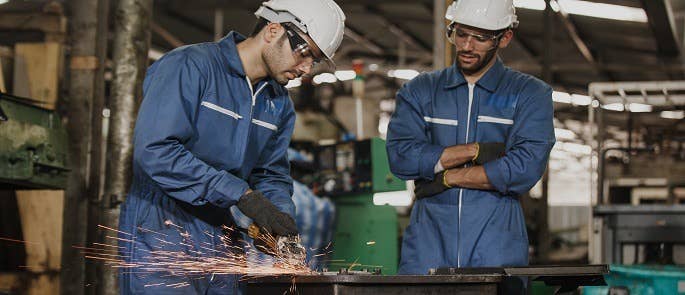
[481,42]
[301,49]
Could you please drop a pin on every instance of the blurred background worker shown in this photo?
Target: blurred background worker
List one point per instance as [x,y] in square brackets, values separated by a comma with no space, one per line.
[474,136]
[212,132]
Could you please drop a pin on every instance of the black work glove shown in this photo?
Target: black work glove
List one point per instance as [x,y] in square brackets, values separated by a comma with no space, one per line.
[428,188]
[266,215]
[488,151]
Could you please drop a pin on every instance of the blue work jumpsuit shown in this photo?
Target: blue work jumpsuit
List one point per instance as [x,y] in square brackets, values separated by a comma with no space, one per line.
[204,135]
[466,227]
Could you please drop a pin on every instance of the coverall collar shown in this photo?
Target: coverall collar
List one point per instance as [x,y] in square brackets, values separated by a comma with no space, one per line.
[234,64]
[230,52]
[489,81]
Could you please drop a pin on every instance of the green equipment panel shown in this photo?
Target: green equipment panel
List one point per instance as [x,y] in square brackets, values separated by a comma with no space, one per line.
[33,146]
[366,235]
[383,179]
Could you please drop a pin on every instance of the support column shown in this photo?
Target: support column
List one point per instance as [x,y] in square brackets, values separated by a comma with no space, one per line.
[131,46]
[82,68]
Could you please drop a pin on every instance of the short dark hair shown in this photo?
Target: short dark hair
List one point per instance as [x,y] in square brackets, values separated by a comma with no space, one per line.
[259,26]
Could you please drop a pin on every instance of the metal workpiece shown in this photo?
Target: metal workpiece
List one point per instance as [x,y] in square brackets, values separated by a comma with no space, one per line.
[376,284]
[439,281]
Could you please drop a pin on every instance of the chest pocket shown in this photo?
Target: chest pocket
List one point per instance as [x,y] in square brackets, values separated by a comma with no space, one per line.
[442,129]
[494,123]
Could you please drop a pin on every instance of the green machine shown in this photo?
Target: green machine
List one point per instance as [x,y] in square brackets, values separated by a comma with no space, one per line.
[33,146]
[366,235]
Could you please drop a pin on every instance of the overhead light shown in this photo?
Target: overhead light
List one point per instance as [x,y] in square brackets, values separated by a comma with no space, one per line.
[325,78]
[676,115]
[403,74]
[639,108]
[345,75]
[581,100]
[4,1]
[294,83]
[561,133]
[614,107]
[603,10]
[396,198]
[587,8]
[561,97]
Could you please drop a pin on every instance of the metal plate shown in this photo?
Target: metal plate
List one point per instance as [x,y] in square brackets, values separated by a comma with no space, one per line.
[379,279]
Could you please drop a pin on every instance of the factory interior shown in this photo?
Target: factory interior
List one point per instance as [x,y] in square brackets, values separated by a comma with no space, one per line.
[603,214]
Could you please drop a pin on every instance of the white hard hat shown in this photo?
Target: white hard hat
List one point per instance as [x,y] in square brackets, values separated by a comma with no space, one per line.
[322,20]
[484,14]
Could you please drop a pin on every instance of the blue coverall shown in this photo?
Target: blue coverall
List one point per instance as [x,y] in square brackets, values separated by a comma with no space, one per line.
[466,227]
[203,136]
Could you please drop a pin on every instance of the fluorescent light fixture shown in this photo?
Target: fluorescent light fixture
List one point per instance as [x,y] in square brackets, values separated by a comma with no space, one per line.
[603,10]
[325,78]
[581,100]
[294,83]
[403,74]
[639,108]
[561,133]
[345,75]
[587,8]
[676,115]
[561,97]
[619,107]
[396,198]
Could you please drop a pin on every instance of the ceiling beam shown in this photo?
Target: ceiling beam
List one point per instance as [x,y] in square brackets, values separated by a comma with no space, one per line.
[582,47]
[398,31]
[660,17]
[360,39]
[166,35]
[573,67]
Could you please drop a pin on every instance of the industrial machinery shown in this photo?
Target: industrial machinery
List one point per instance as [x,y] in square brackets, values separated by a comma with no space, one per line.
[638,218]
[441,281]
[33,146]
[351,173]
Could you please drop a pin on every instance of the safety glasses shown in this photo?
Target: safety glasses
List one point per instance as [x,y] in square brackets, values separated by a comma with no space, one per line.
[481,42]
[301,49]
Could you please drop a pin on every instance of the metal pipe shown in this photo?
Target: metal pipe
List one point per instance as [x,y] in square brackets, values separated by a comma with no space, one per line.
[544,241]
[93,271]
[131,45]
[82,32]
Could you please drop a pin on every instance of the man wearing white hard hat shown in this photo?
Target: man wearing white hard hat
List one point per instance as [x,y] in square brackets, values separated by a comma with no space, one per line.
[474,137]
[212,132]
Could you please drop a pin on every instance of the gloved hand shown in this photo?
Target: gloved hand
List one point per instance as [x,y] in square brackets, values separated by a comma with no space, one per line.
[488,151]
[266,215]
[427,188]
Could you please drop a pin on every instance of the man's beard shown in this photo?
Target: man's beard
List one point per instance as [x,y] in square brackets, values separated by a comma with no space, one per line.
[479,65]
